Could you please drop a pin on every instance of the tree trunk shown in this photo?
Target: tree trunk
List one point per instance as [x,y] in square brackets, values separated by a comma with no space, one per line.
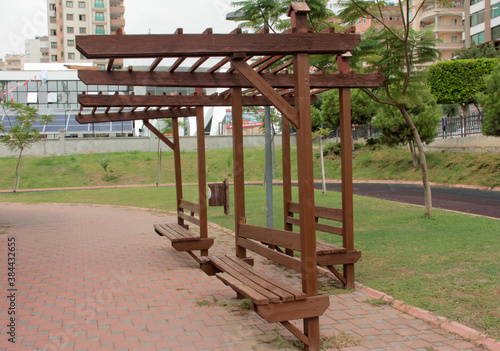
[423,160]
[413,154]
[18,171]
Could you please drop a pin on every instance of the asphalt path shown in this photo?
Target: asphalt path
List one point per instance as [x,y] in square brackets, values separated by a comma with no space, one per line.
[474,201]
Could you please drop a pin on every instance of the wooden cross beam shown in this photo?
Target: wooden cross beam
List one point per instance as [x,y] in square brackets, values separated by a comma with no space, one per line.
[196,45]
[167,100]
[225,80]
[132,116]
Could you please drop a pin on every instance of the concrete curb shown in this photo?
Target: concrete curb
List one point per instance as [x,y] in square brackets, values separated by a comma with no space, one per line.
[454,327]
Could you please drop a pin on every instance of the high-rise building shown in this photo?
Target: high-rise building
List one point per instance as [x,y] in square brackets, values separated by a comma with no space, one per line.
[481,21]
[14,62]
[446,23]
[69,18]
[37,50]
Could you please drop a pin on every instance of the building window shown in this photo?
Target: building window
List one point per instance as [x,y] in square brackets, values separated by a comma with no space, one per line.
[495,12]
[52,7]
[102,67]
[53,45]
[52,20]
[495,33]
[454,39]
[477,38]
[69,17]
[70,30]
[99,4]
[99,30]
[81,17]
[53,57]
[71,56]
[99,16]
[82,57]
[69,3]
[71,43]
[53,32]
[473,2]
[62,55]
[454,22]
[81,4]
[476,18]
[83,30]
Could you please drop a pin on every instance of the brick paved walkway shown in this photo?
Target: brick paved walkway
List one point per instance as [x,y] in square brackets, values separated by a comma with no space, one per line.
[99,278]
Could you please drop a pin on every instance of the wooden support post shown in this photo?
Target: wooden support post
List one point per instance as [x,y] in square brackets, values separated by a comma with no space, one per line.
[177,166]
[298,15]
[287,176]
[238,168]
[346,166]
[202,178]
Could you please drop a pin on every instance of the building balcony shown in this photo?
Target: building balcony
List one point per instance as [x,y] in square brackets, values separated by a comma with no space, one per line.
[459,28]
[449,46]
[116,9]
[429,14]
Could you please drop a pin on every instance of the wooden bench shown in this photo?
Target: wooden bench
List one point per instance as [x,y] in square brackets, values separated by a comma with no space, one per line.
[182,239]
[272,299]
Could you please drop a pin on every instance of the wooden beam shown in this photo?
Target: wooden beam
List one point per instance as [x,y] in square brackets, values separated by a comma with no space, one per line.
[238,168]
[159,134]
[134,116]
[225,80]
[155,64]
[197,45]
[202,177]
[173,101]
[267,90]
[177,168]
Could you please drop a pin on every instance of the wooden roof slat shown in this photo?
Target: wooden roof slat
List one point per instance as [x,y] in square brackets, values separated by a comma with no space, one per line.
[131,116]
[155,64]
[269,63]
[176,64]
[197,45]
[218,65]
[197,64]
[225,80]
[110,64]
[281,67]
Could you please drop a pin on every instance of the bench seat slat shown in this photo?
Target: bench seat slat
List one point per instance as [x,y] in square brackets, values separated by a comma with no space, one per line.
[243,289]
[246,279]
[175,232]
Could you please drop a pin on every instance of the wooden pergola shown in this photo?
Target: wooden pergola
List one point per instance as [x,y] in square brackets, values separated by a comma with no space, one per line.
[290,88]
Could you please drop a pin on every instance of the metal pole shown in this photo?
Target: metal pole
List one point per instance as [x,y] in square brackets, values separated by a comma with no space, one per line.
[269,168]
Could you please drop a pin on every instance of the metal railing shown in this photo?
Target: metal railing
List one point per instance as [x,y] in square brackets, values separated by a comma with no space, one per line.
[460,126]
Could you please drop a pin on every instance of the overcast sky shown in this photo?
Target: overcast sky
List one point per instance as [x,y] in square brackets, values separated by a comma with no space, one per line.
[26,19]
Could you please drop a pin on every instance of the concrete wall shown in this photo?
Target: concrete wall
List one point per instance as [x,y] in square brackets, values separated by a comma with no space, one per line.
[70,146]
[476,143]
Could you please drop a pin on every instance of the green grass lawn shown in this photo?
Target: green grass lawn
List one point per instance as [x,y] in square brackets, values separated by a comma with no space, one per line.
[136,167]
[448,264]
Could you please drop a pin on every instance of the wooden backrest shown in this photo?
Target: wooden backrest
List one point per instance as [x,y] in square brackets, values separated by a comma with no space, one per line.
[332,214]
[192,208]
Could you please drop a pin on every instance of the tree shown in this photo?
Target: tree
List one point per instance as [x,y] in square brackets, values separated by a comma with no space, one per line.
[477,52]
[490,100]
[22,131]
[458,82]
[362,109]
[397,53]
[395,130]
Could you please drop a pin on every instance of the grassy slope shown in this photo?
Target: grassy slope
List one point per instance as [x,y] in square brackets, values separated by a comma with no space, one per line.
[447,264]
[141,168]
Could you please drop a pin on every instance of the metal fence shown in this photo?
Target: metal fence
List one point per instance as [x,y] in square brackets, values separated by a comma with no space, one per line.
[460,126]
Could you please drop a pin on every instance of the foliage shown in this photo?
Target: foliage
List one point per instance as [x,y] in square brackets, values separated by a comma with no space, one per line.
[450,110]
[395,130]
[363,109]
[490,100]
[22,131]
[459,81]
[477,52]
[259,14]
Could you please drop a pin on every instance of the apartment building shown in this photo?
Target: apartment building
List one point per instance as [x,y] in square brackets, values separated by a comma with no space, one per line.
[14,62]
[481,21]
[391,16]
[37,50]
[69,18]
[446,23]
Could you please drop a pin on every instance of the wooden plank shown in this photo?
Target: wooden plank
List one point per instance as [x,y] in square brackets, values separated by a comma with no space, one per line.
[197,64]
[159,134]
[176,64]
[178,235]
[168,100]
[321,212]
[190,206]
[271,236]
[286,292]
[200,244]
[160,230]
[188,218]
[243,289]
[219,65]
[225,80]
[349,257]
[255,282]
[285,260]
[202,177]
[267,90]
[155,64]
[177,168]
[132,116]
[327,228]
[312,306]
[197,45]
[327,249]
